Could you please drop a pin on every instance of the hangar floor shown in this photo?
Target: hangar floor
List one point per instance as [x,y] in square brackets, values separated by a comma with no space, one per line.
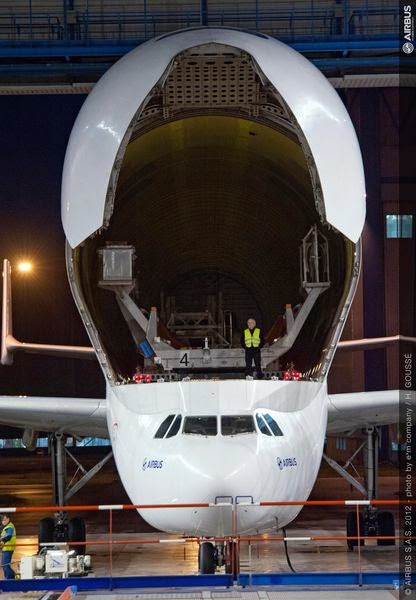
[176,559]
[25,481]
[130,558]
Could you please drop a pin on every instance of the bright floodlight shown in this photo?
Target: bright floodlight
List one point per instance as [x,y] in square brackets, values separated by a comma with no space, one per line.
[24,266]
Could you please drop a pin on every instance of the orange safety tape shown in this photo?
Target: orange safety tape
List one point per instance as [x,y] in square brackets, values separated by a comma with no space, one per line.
[91,507]
[331,502]
[227,539]
[115,542]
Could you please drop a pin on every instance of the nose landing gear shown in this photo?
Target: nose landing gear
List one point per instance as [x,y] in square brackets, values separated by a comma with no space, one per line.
[211,556]
[207,558]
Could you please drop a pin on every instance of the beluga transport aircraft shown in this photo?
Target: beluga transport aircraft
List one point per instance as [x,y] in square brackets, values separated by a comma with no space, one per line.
[211,175]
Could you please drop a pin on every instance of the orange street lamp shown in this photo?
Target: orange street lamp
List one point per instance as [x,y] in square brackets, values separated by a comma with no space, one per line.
[24,266]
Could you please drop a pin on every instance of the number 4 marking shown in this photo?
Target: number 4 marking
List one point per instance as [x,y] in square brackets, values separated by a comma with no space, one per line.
[184,360]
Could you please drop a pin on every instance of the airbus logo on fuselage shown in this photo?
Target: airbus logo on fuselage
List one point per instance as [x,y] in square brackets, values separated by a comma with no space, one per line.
[286,462]
[152,464]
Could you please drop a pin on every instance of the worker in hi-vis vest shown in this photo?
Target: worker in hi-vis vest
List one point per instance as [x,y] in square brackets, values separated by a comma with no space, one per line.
[252,341]
[8,545]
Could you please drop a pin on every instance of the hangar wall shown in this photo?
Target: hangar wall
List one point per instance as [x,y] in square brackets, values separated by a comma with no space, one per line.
[384,303]
[385,300]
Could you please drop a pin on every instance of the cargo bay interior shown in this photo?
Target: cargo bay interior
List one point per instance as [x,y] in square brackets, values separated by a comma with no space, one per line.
[215,195]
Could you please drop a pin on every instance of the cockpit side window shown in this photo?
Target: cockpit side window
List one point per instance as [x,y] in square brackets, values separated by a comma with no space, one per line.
[174,428]
[262,425]
[272,424]
[236,424]
[201,425]
[268,425]
[160,433]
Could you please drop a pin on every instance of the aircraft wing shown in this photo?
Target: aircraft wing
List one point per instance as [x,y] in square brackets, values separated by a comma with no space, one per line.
[347,412]
[74,416]
[87,416]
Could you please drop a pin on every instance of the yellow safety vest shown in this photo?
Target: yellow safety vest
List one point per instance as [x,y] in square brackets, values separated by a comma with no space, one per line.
[252,341]
[9,546]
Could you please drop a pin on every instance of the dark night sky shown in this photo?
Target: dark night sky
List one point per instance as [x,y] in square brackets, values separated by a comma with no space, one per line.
[34,135]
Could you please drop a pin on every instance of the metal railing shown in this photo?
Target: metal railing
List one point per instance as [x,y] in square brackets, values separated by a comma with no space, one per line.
[237,542]
[87,22]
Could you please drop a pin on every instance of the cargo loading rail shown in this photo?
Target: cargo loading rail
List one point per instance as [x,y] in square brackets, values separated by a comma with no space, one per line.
[358,577]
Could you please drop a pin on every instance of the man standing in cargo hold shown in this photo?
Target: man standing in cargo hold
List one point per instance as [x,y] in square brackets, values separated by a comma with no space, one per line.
[252,341]
[8,545]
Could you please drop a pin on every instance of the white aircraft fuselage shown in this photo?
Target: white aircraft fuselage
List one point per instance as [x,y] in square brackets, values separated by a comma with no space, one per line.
[214,151]
[193,468]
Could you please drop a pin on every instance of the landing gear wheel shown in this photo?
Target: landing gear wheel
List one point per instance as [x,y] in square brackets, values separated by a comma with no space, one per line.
[46,530]
[76,533]
[352,529]
[206,558]
[385,522]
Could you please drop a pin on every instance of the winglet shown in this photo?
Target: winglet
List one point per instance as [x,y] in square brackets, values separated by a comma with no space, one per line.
[6,314]
[9,344]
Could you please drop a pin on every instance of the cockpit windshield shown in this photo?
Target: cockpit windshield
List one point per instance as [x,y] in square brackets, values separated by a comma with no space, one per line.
[236,424]
[208,425]
[201,425]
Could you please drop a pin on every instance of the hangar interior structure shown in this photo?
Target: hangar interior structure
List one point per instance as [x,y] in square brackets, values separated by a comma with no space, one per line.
[64,47]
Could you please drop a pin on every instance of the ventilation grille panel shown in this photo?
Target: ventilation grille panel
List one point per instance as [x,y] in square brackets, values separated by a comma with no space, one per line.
[212,81]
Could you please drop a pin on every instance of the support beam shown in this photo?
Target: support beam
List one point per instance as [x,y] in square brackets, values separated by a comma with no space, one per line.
[373,343]
[87,475]
[347,476]
[289,339]
[370,450]
[151,332]
[370,463]
[203,12]
[124,298]
[56,449]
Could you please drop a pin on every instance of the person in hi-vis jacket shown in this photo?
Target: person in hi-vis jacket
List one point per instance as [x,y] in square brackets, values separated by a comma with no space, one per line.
[252,341]
[8,545]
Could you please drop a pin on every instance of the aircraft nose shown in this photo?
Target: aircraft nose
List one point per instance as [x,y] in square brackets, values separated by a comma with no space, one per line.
[222,473]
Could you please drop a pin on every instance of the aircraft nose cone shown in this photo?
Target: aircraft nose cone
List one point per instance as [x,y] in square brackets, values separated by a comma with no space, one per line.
[222,473]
